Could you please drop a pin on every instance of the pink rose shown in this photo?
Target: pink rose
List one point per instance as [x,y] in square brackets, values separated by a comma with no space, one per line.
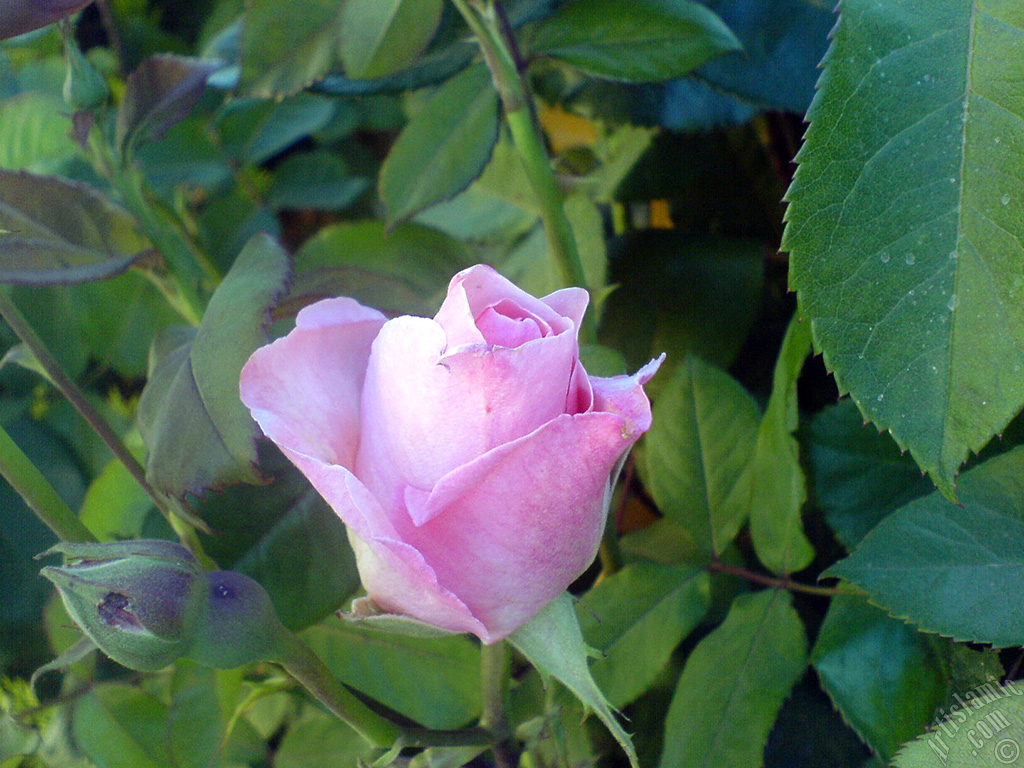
[20,16]
[470,455]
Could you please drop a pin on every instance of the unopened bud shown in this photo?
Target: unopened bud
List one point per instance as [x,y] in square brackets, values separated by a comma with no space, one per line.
[141,602]
[84,87]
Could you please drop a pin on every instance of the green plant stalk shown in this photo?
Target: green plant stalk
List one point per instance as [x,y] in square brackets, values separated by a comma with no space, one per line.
[37,492]
[494,679]
[12,315]
[499,49]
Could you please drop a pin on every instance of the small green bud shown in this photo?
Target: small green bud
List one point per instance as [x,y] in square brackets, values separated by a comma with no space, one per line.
[84,87]
[141,602]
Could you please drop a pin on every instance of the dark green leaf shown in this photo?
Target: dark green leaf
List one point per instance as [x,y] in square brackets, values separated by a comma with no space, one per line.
[159,94]
[55,232]
[704,432]
[636,41]
[859,475]
[380,37]
[553,643]
[881,674]
[734,683]
[952,568]
[434,681]
[287,46]
[402,271]
[319,738]
[905,221]
[776,480]
[253,131]
[444,147]
[198,432]
[314,181]
[636,618]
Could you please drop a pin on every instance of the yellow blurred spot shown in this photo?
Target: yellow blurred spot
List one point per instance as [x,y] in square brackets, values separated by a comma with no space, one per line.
[661,216]
[565,129]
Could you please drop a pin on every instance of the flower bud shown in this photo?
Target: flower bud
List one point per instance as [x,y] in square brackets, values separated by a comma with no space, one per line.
[84,87]
[141,602]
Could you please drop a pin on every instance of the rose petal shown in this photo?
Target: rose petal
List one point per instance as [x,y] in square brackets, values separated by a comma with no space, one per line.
[394,574]
[625,396]
[511,530]
[570,303]
[303,390]
[431,413]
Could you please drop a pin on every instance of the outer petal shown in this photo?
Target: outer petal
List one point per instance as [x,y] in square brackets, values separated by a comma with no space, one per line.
[428,413]
[570,303]
[473,290]
[625,396]
[303,390]
[394,574]
[511,530]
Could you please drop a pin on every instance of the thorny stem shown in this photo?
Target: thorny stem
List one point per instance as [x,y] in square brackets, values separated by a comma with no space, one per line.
[780,582]
[12,315]
[487,21]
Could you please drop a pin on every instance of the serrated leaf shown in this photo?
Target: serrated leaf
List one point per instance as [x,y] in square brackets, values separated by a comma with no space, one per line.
[444,147]
[314,181]
[635,618]
[775,479]
[905,223]
[198,432]
[553,643]
[55,232]
[642,40]
[859,475]
[253,131]
[434,681]
[286,47]
[158,94]
[703,434]
[949,568]
[881,674]
[380,37]
[987,731]
[734,683]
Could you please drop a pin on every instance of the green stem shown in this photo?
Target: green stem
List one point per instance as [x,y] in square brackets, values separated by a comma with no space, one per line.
[499,48]
[12,315]
[37,492]
[780,583]
[494,679]
[306,667]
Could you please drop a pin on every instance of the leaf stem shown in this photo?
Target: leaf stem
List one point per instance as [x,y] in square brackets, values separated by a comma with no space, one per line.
[12,315]
[38,493]
[779,582]
[494,678]
[488,22]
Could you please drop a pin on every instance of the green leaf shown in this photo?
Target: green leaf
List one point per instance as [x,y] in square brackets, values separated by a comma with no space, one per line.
[776,481]
[636,618]
[882,675]
[859,475]
[198,432]
[553,643]
[642,40]
[905,222]
[703,435]
[121,726]
[434,681]
[286,47]
[987,730]
[380,37]
[949,567]
[444,147]
[158,94]
[34,134]
[734,683]
[115,506]
[55,232]
[314,181]
[402,271]
[320,738]
[253,131]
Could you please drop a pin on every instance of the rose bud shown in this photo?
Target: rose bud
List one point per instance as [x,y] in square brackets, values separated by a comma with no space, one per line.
[20,16]
[140,602]
[469,455]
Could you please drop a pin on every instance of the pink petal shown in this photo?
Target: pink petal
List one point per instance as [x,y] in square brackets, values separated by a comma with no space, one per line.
[303,390]
[625,396]
[511,530]
[429,412]
[569,302]
[394,574]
